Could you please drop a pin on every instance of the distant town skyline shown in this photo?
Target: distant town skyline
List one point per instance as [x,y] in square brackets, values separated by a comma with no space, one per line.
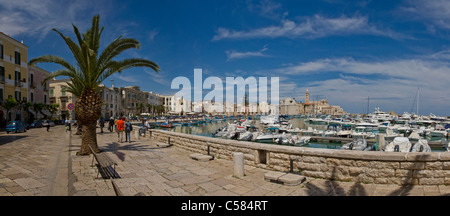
[341,51]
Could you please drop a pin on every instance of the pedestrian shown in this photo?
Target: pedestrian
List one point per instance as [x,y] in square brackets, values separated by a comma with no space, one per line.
[120,128]
[67,123]
[128,129]
[143,128]
[115,126]
[48,125]
[111,124]
[102,124]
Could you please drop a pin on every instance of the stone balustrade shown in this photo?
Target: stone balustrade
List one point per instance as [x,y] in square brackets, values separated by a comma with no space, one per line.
[430,168]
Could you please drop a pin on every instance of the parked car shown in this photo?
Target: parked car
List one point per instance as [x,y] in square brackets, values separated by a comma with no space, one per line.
[16,126]
[46,122]
[36,124]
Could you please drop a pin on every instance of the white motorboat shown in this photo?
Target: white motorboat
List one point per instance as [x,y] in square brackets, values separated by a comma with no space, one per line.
[359,144]
[439,131]
[421,146]
[299,140]
[346,131]
[271,119]
[270,135]
[414,135]
[399,144]
[390,134]
[249,134]
[284,138]
[360,132]
[309,132]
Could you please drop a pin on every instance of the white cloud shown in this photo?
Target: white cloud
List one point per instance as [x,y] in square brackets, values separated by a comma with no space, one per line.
[156,77]
[312,27]
[37,18]
[435,13]
[127,78]
[265,8]
[231,54]
[392,84]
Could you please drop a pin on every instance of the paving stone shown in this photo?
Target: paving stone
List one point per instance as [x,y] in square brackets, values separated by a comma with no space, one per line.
[273,176]
[291,179]
[201,157]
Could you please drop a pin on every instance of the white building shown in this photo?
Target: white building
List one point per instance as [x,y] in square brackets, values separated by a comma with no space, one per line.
[112,106]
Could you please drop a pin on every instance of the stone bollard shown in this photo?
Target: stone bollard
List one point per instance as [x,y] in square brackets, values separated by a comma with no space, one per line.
[136,134]
[238,158]
[381,141]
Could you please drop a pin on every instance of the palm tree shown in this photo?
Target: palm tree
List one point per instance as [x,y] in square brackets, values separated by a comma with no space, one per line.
[38,107]
[90,70]
[10,104]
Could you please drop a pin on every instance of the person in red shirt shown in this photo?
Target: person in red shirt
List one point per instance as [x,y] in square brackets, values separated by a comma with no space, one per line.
[120,128]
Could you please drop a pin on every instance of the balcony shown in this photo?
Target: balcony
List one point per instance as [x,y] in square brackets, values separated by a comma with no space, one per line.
[2,80]
[32,85]
[18,83]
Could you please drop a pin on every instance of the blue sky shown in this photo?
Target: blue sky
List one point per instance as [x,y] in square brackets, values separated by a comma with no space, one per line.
[343,51]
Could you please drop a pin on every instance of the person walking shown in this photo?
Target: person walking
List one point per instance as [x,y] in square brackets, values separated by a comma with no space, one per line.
[67,124]
[115,126]
[120,129]
[128,129]
[102,124]
[111,125]
[48,125]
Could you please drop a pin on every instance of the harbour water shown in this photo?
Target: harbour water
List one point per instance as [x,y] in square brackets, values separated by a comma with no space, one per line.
[207,129]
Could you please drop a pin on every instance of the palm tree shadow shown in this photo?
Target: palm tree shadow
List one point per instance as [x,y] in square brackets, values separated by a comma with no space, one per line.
[116,148]
[333,188]
[407,186]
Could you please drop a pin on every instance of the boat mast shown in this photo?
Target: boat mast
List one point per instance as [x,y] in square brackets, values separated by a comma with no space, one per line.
[368,104]
[417,102]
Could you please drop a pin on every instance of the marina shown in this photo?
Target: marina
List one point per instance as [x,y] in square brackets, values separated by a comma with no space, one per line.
[330,132]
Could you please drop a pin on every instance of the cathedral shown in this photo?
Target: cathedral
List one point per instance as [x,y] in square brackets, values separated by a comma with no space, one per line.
[289,106]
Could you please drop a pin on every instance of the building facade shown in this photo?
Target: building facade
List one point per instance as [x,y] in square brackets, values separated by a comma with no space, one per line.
[133,100]
[13,75]
[38,92]
[58,94]
[319,107]
[112,105]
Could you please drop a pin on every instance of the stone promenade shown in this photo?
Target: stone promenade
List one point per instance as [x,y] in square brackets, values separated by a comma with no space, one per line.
[41,163]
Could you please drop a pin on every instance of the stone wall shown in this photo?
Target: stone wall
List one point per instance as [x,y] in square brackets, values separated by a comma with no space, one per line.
[431,168]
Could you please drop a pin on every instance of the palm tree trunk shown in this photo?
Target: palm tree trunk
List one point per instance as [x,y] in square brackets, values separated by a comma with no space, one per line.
[88,108]
[88,138]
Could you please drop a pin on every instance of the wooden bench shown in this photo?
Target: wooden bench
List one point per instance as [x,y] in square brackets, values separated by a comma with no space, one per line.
[104,163]
[119,193]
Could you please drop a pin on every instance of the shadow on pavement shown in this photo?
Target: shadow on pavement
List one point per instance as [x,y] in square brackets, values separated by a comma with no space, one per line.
[4,139]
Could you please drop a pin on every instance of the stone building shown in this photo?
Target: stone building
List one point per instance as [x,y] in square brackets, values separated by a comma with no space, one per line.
[58,94]
[13,75]
[133,100]
[319,107]
[38,93]
[289,106]
[112,106]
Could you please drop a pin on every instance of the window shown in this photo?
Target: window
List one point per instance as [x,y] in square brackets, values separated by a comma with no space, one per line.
[45,99]
[31,97]
[1,51]
[1,94]
[63,91]
[2,74]
[17,58]
[18,95]
[17,76]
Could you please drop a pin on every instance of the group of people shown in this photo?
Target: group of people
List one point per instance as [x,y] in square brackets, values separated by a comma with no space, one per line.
[123,127]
